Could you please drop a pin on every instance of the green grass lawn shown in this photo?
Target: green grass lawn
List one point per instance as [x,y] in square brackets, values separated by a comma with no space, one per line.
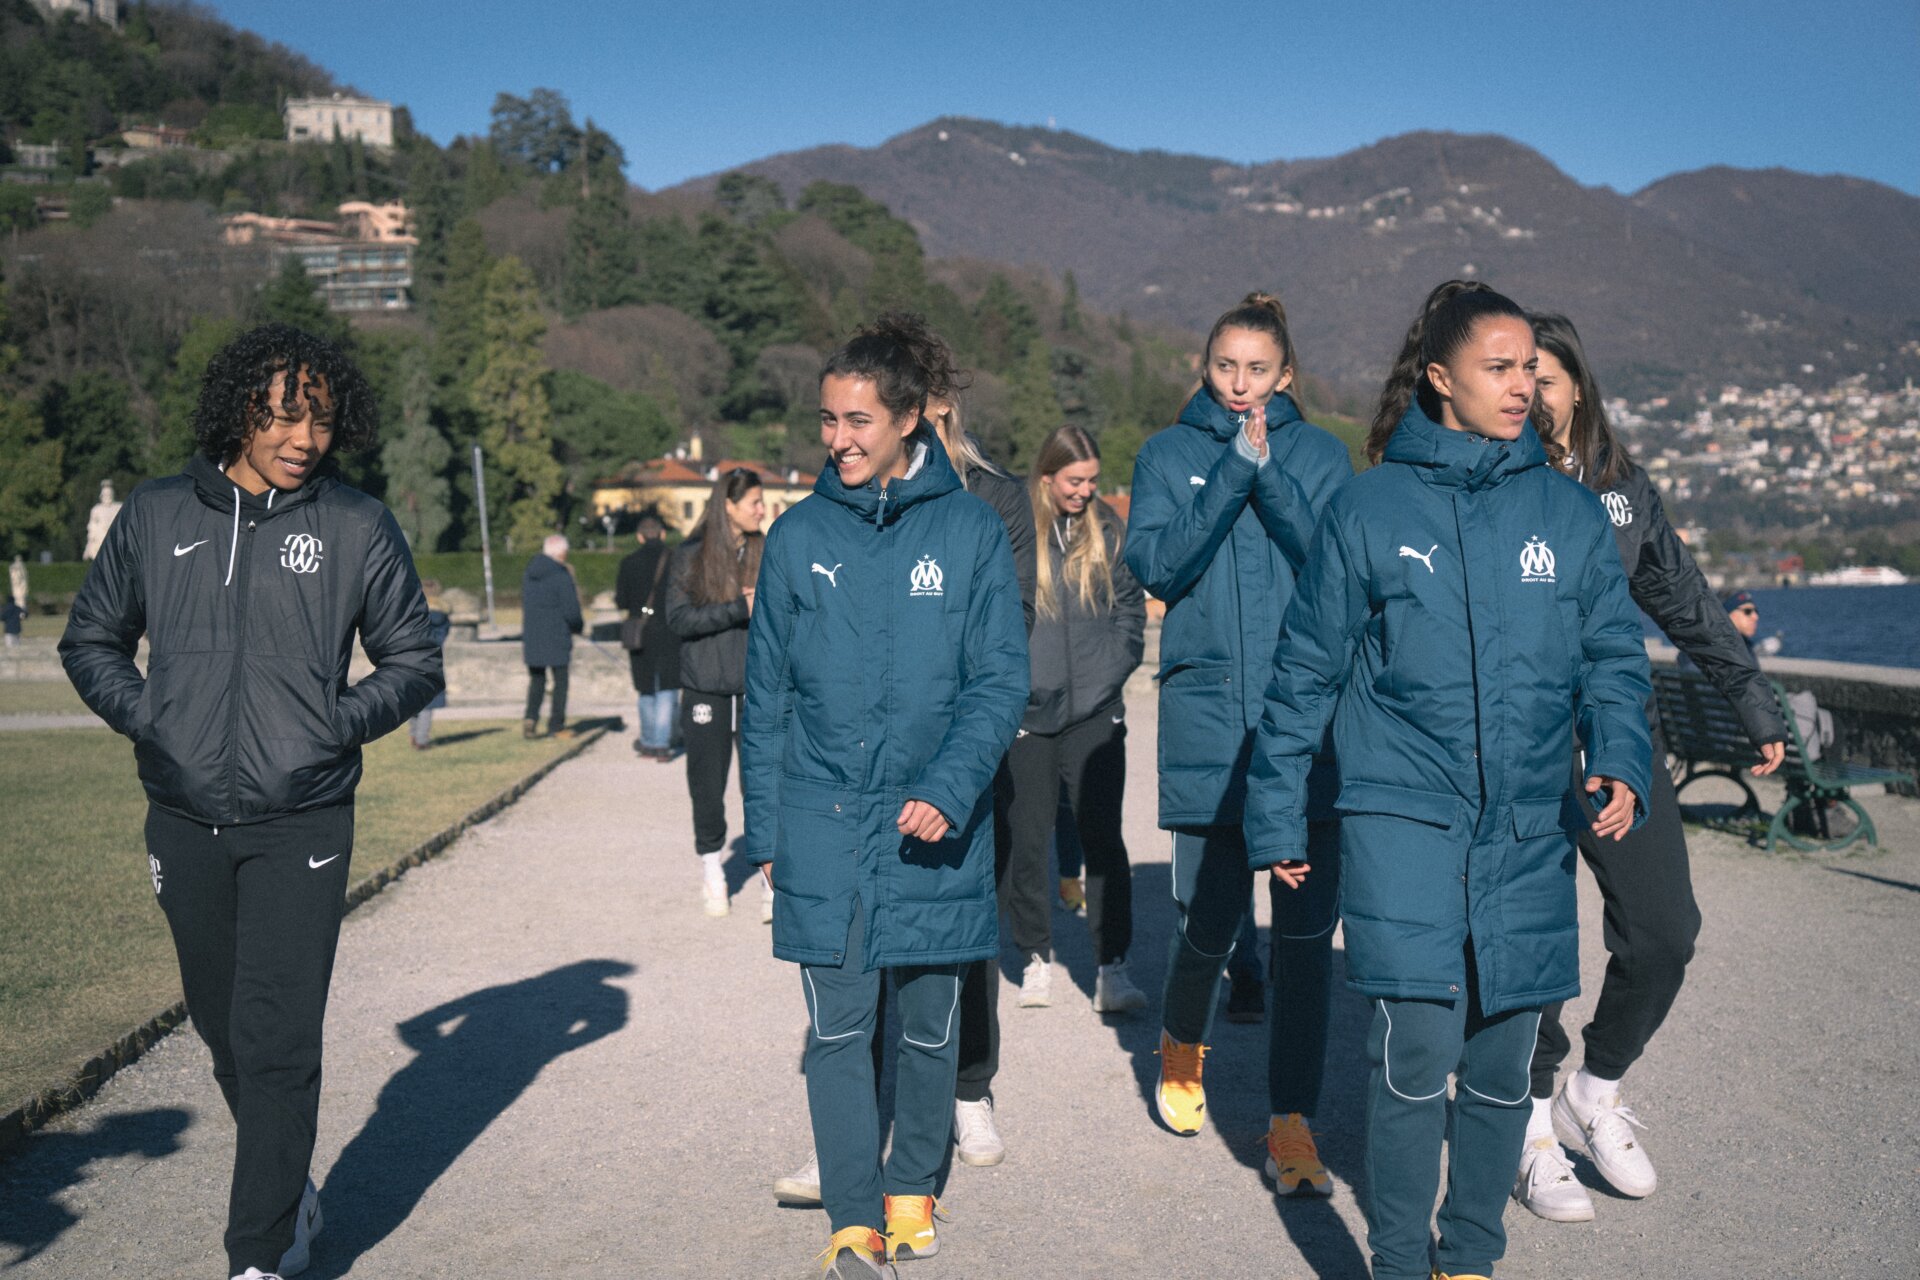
[84,950]
[38,698]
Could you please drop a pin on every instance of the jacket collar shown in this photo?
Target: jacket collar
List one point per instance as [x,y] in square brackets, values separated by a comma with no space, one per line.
[1460,459]
[930,475]
[1209,415]
[222,494]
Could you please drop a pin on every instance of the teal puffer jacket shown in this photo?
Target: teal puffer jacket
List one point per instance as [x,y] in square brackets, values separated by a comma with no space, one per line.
[1220,541]
[1462,613]
[886,662]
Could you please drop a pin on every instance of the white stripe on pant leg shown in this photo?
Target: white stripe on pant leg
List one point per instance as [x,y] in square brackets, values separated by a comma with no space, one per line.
[818,1034]
[1386,1063]
[1526,1092]
[1305,937]
[949,1032]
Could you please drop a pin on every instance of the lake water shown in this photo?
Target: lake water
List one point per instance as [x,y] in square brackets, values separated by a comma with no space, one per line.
[1877,625]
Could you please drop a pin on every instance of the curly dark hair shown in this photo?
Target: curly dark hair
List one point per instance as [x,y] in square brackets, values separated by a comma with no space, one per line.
[233,394]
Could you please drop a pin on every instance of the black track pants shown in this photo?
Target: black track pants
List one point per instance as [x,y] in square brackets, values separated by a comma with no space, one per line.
[707,721]
[255,914]
[537,690]
[1650,923]
[1091,759]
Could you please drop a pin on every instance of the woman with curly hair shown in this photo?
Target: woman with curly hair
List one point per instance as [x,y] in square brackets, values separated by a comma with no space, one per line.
[249,574]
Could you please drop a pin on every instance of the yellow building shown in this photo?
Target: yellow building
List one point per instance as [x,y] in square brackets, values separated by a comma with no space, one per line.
[678,488]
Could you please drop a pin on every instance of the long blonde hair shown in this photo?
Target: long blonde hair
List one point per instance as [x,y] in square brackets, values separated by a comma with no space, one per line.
[963,451]
[1088,567]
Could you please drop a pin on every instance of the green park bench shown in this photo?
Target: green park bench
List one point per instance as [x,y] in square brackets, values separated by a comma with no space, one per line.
[1705,736]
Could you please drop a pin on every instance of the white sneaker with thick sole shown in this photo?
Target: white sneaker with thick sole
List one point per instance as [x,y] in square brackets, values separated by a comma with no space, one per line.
[975,1139]
[1606,1136]
[306,1225]
[1114,991]
[713,897]
[802,1186]
[1546,1185]
[1036,983]
[255,1273]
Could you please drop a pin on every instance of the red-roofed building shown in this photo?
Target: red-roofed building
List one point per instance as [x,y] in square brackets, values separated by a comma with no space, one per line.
[679,485]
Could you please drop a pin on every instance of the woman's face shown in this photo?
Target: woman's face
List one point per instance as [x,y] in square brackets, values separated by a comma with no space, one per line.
[1073,486]
[1244,368]
[747,512]
[282,452]
[864,441]
[1487,387]
[1558,396]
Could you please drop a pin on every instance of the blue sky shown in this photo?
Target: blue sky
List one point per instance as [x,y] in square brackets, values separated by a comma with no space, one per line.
[1615,93]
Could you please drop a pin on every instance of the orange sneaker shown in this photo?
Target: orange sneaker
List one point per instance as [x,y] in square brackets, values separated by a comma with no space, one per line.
[1293,1162]
[856,1253]
[1182,1102]
[910,1232]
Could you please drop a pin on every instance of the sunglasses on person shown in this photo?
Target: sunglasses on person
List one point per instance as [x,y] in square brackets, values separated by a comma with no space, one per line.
[1747,608]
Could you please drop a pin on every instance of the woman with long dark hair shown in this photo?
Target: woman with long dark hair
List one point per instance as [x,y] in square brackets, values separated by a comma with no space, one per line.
[1462,612]
[1224,506]
[886,676]
[1088,636]
[1644,881]
[709,600]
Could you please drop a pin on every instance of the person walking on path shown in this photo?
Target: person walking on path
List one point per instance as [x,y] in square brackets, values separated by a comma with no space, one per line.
[1462,612]
[1087,639]
[710,595]
[1645,886]
[886,676]
[249,574]
[653,650]
[439,627]
[1224,506]
[11,616]
[549,620]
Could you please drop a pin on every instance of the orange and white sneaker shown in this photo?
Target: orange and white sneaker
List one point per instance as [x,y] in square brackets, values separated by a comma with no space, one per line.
[910,1232]
[1293,1162]
[1182,1102]
[856,1253]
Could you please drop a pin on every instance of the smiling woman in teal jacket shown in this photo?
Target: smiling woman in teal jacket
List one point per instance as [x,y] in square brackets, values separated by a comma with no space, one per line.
[1462,613]
[886,677]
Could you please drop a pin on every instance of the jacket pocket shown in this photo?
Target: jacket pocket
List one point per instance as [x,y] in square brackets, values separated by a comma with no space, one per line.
[1403,855]
[1433,808]
[1200,722]
[816,851]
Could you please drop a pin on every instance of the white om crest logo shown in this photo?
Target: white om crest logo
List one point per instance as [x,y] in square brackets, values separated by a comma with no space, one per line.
[1619,510]
[926,578]
[301,552]
[1536,561]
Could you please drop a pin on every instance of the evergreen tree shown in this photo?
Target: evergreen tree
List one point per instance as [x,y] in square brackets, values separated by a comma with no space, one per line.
[292,299]
[1034,407]
[416,461]
[1005,323]
[171,442]
[32,508]
[1070,319]
[509,398]
[460,304]
[750,198]
[597,429]
[603,258]
[91,416]
[436,207]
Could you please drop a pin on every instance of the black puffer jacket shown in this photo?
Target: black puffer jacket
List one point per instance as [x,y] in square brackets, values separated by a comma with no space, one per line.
[250,605]
[713,637]
[1667,584]
[1008,496]
[1082,657]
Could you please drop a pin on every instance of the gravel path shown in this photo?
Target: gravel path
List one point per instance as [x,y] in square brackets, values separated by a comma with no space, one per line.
[543,1060]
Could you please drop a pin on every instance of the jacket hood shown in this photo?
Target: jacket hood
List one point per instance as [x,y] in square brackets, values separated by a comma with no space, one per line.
[1210,416]
[218,492]
[929,475]
[543,566]
[1460,459]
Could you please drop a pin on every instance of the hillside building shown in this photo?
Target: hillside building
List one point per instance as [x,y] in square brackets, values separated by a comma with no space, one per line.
[679,485]
[319,119]
[363,262]
[155,137]
[107,11]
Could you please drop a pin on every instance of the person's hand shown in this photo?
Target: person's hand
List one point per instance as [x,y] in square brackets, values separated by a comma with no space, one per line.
[747,594]
[1616,819]
[1771,754]
[1292,874]
[922,821]
[1255,430]
[766,873]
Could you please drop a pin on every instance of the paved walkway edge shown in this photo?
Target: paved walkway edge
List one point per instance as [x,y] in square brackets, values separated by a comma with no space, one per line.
[52,1102]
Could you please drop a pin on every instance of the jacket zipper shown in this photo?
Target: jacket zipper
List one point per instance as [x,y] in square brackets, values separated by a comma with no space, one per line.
[239,670]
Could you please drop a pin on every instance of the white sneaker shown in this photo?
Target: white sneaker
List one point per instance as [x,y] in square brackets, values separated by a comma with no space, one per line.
[975,1139]
[1546,1184]
[1606,1137]
[802,1186]
[255,1273]
[306,1225]
[713,897]
[1036,984]
[1114,992]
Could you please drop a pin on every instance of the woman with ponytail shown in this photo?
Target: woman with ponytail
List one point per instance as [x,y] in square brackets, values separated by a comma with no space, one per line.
[1461,615]
[1087,639]
[886,677]
[1644,881]
[1224,506]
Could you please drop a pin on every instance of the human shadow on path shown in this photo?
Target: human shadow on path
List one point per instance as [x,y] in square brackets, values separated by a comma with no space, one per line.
[31,1215]
[1888,881]
[476,1056]
[464,735]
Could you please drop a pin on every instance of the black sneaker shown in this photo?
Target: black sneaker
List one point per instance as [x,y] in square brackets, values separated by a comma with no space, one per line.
[1246,1000]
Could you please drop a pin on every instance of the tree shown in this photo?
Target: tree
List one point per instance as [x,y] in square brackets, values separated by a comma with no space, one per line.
[292,299]
[415,461]
[32,508]
[598,428]
[1035,408]
[459,305]
[750,198]
[172,442]
[536,131]
[1071,320]
[1005,323]
[92,418]
[603,259]
[509,398]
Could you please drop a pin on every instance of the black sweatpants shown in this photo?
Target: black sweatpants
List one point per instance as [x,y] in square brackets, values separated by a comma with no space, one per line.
[255,914]
[707,722]
[537,690]
[1090,758]
[1649,924]
[980,980]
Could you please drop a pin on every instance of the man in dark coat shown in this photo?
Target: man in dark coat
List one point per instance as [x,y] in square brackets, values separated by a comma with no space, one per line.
[550,619]
[653,650]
